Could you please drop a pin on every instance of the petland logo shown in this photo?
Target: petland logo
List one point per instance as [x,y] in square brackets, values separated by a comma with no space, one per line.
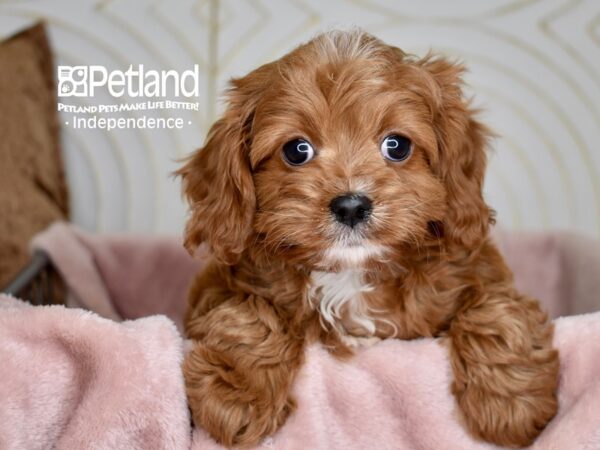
[82,81]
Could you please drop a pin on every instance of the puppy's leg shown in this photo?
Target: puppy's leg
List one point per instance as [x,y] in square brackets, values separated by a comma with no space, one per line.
[240,370]
[505,370]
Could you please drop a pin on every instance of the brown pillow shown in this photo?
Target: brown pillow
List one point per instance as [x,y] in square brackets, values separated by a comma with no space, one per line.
[33,192]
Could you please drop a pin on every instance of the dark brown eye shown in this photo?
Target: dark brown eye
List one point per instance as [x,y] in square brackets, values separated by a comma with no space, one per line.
[396,148]
[298,152]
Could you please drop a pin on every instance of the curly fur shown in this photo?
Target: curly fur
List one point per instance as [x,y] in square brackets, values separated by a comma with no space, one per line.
[424,261]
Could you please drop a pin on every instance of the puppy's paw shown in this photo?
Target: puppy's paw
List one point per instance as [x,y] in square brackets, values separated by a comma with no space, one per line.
[236,422]
[507,421]
[506,404]
[505,369]
[233,408]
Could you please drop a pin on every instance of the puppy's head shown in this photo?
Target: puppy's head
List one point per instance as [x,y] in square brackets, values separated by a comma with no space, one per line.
[340,153]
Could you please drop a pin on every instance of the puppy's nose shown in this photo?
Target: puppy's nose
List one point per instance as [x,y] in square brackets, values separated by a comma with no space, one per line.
[351,209]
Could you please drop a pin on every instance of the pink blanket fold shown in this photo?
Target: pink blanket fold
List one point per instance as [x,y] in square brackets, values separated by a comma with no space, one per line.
[125,276]
[74,379]
[121,276]
[70,379]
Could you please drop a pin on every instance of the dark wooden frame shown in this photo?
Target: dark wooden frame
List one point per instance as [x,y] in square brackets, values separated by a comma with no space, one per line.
[38,282]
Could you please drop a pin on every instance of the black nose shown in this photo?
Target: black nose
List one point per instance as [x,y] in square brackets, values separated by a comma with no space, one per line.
[351,209]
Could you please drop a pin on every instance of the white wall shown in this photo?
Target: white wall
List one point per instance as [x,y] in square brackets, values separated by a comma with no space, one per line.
[535,68]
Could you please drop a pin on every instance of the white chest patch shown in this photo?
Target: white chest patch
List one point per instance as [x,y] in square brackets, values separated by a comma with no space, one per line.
[333,293]
[352,257]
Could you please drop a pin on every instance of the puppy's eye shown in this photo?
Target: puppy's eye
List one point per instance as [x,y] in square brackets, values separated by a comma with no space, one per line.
[396,148]
[298,152]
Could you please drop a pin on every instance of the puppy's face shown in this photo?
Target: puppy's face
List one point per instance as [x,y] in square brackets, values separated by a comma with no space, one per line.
[341,164]
[342,157]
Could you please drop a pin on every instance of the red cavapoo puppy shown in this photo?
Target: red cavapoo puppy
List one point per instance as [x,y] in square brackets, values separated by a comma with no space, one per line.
[340,195]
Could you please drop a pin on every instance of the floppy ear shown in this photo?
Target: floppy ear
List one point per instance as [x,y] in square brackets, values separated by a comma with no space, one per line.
[217,180]
[462,142]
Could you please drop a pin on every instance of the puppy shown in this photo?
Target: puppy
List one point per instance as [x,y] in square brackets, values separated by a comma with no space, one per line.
[340,195]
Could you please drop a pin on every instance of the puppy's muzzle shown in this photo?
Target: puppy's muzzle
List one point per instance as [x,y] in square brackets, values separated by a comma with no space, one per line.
[351,209]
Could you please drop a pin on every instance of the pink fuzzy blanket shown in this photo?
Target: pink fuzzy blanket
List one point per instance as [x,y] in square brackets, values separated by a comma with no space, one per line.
[70,379]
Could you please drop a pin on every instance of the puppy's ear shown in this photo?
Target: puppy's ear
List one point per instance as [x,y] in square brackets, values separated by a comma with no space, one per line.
[462,142]
[217,179]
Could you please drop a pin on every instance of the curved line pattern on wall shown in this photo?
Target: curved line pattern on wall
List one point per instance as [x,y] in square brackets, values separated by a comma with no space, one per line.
[535,65]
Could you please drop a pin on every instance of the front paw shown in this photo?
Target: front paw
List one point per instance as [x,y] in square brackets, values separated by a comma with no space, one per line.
[235,409]
[495,414]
